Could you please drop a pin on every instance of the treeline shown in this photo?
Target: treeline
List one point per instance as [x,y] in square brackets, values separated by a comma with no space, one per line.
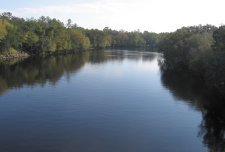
[40,36]
[46,35]
[199,50]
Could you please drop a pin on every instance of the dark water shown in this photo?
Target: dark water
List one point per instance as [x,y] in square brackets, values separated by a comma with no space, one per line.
[106,101]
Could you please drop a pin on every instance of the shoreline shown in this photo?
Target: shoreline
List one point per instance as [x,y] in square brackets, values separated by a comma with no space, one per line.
[19,55]
[23,55]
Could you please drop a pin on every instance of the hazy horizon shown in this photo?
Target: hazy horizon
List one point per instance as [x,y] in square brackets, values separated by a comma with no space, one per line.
[145,15]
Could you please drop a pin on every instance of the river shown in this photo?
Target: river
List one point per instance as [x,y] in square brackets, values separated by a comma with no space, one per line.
[103,101]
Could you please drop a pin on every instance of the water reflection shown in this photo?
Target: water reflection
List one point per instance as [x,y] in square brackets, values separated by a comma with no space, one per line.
[100,111]
[39,71]
[185,87]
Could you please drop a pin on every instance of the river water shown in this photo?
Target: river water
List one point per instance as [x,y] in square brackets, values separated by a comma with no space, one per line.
[103,101]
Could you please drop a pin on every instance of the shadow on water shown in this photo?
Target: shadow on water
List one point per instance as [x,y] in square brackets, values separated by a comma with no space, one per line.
[185,87]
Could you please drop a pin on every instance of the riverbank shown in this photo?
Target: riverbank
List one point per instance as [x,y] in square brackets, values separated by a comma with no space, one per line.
[13,54]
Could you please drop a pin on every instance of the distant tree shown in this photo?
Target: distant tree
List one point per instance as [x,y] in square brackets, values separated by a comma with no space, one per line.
[6,15]
[219,37]
[69,23]
[29,40]
[3,28]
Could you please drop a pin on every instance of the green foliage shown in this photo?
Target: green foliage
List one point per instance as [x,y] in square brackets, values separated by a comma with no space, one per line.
[9,38]
[219,37]
[3,28]
[46,35]
[183,46]
[190,49]
[78,41]
[151,40]
[99,39]
[41,36]
[10,51]
[30,38]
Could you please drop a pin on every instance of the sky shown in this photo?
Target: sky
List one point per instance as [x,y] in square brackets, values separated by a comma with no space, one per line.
[144,15]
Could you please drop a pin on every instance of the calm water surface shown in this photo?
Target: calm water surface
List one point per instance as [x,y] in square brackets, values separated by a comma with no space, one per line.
[106,101]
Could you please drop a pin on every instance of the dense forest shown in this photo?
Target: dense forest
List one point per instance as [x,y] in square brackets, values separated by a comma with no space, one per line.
[198,50]
[46,35]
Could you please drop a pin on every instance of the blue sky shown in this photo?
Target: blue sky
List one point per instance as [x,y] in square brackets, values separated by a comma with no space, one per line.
[151,15]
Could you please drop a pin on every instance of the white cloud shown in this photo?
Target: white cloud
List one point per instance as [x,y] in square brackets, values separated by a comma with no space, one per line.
[152,15]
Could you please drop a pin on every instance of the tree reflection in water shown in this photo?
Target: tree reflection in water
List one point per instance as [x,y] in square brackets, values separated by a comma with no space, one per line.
[186,87]
[183,86]
[39,71]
